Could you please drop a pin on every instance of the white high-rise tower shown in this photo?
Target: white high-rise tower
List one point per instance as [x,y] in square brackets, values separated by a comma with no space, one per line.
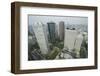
[70,37]
[78,43]
[40,36]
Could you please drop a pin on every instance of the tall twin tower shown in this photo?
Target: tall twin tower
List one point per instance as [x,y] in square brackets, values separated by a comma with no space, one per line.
[53,32]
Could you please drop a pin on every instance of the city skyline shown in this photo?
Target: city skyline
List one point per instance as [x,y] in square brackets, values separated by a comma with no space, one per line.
[56,40]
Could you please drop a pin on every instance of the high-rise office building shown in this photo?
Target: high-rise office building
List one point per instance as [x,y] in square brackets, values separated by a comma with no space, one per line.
[56,31]
[46,35]
[69,40]
[61,30]
[51,29]
[41,37]
[78,43]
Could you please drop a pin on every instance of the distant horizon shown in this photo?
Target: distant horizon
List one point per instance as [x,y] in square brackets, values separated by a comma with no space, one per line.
[72,20]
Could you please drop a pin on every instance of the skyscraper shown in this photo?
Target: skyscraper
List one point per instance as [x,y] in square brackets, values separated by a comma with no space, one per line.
[51,29]
[46,34]
[40,36]
[78,43]
[61,30]
[70,37]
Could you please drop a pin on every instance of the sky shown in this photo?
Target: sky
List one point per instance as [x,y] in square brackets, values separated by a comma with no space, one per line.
[67,19]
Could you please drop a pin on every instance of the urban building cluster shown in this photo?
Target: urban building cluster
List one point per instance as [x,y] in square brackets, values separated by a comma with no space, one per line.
[51,41]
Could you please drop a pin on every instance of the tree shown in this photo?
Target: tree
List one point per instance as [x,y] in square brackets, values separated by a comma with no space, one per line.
[83,52]
[53,53]
[84,49]
[73,53]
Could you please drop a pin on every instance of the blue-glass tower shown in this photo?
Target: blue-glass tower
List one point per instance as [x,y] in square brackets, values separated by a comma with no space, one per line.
[51,29]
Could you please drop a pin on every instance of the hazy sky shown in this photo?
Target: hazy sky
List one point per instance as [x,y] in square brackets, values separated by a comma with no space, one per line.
[57,19]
